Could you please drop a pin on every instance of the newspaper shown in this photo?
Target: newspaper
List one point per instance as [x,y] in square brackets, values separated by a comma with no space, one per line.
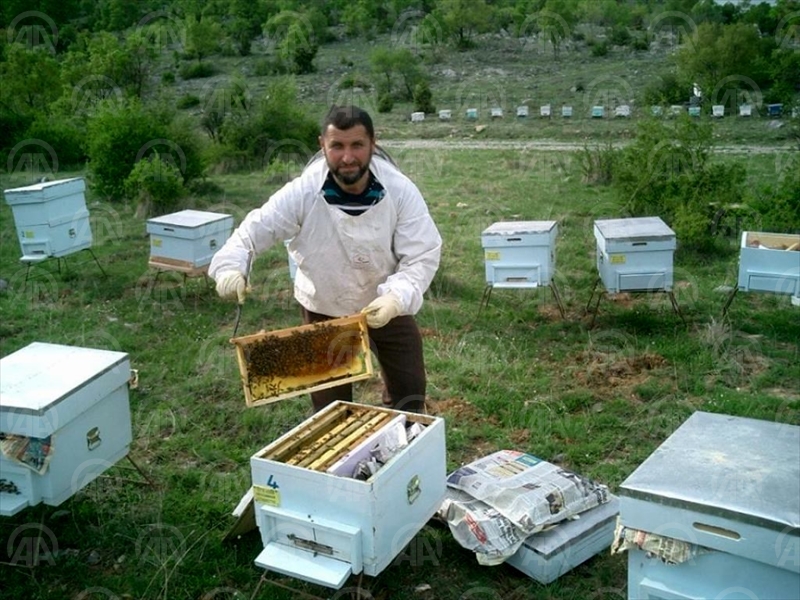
[669,550]
[34,453]
[480,528]
[529,492]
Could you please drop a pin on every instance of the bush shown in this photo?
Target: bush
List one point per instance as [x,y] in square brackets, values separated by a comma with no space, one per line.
[423,98]
[385,103]
[640,43]
[667,172]
[122,133]
[354,80]
[197,70]
[600,49]
[63,135]
[620,36]
[597,165]
[168,77]
[187,101]
[156,184]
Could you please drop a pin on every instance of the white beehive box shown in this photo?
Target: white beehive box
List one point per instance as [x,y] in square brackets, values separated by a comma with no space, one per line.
[72,401]
[472,114]
[321,527]
[718,111]
[635,254]
[51,218]
[566,111]
[547,555]
[728,484]
[417,117]
[519,254]
[187,239]
[544,110]
[766,263]
[522,111]
[445,114]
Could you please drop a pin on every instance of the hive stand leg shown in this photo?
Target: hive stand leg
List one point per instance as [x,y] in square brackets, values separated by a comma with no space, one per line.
[596,307]
[557,296]
[675,306]
[729,300]
[99,266]
[487,294]
[264,580]
[594,288]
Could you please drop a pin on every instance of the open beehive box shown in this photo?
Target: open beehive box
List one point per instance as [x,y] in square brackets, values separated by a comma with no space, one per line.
[281,364]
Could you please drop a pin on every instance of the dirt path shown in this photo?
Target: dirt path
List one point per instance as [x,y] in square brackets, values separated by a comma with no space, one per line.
[552,145]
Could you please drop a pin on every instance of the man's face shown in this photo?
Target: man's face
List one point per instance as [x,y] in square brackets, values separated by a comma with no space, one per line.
[348,152]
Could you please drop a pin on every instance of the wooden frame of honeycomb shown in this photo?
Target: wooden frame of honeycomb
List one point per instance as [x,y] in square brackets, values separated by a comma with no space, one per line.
[281,364]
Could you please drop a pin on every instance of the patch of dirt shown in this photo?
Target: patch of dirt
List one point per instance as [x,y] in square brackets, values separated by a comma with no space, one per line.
[458,408]
[606,373]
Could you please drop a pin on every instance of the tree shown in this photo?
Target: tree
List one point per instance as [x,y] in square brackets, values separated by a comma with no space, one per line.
[389,64]
[463,18]
[202,37]
[720,58]
[296,51]
[28,77]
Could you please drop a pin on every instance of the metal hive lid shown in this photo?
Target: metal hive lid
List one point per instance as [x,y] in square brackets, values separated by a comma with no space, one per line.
[518,227]
[189,218]
[40,375]
[734,467]
[634,229]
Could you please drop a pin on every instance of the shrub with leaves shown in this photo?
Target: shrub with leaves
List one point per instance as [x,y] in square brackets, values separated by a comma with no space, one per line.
[156,184]
[668,172]
[423,98]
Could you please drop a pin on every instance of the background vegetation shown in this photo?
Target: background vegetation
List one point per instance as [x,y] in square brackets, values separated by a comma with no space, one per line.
[213,105]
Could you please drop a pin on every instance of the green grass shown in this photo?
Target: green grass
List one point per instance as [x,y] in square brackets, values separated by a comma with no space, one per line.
[599,400]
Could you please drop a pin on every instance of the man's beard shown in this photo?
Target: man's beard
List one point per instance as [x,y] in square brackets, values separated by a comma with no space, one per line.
[351,177]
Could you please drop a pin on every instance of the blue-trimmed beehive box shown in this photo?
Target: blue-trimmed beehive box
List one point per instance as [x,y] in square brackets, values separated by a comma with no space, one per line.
[188,239]
[51,218]
[635,254]
[547,555]
[770,262]
[728,486]
[519,254]
[64,419]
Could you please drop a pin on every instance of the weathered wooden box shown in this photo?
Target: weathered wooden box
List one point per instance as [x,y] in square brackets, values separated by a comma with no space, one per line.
[64,419]
[322,527]
[51,218]
[281,364]
[187,239]
[635,254]
[770,262]
[519,254]
[726,484]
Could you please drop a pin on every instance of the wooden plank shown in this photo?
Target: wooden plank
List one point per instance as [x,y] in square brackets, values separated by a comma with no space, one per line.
[345,444]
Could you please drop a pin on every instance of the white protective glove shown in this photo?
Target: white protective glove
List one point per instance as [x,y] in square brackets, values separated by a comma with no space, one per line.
[232,285]
[382,310]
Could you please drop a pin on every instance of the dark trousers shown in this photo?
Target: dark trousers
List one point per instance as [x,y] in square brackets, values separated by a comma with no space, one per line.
[398,348]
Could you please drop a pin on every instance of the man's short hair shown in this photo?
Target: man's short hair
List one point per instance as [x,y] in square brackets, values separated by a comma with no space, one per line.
[345,117]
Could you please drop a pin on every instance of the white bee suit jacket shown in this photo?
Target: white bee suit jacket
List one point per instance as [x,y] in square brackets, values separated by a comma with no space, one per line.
[344,262]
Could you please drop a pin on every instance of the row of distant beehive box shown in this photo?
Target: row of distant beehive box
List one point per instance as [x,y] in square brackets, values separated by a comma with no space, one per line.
[632,255]
[52,221]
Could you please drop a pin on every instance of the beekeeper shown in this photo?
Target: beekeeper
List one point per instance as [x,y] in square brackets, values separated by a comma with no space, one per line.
[363,241]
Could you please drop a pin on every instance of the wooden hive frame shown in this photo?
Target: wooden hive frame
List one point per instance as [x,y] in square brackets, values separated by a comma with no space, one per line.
[329,435]
[346,359]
